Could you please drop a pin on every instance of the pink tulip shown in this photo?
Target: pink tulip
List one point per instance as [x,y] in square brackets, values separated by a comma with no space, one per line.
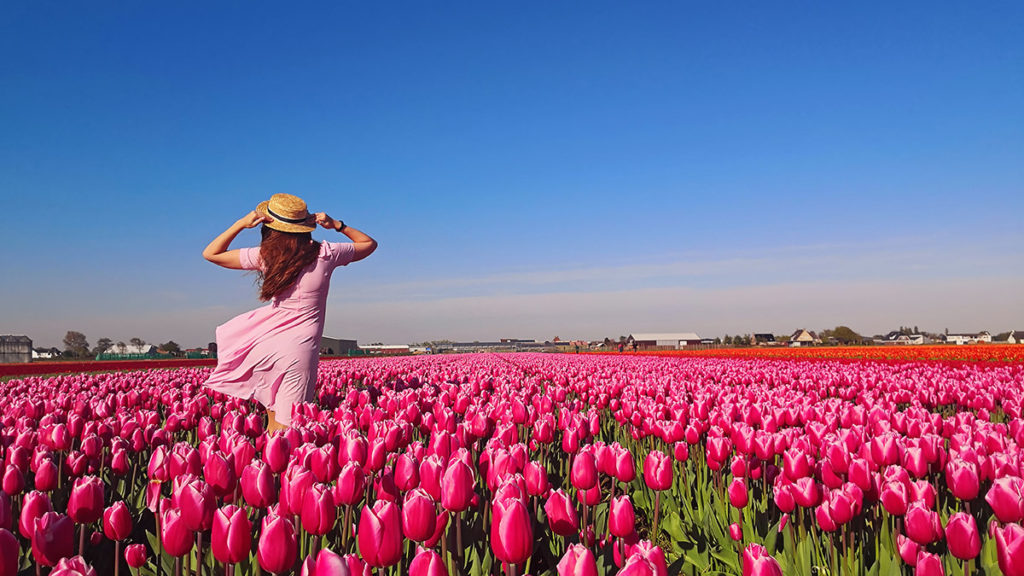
[219,473]
[197,503]
[318,510]
[380,534]
[276,452]
[758,562]
[135,555]
[928,564]
[53,538]
[577,561]
[908,549]
[621,517]
[257,484]
[738,496]
[457,487]
[117,521]
[175,535]
[9,553]
[1010,549]
[584,470]
[625,469]
[1006,497]
[511,531]
[658,471]
[75,566]
[736,532]
[962,536]
[962,479]
[85,505]
[13,480]
[536,479]
[231,539]
[418,515]
[278,547]
[349,488]
[923,525]
[427,563]
[561,514]
[33,506]
[46,476]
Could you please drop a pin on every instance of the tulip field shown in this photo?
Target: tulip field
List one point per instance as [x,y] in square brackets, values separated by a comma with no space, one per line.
[515,464]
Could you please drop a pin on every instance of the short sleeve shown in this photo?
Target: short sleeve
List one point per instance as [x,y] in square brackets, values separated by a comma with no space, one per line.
[249,258]
[340,253]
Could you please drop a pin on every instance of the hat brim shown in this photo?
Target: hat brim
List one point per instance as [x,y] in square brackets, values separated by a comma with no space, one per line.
[308,226]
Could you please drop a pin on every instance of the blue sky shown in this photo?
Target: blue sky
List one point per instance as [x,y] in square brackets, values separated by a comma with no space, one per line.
[579,169]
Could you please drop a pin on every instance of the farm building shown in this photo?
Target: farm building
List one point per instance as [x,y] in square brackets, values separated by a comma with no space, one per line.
[804,337]
[673,340]
[336,346]
[15,349]
[122,351]
[969,338]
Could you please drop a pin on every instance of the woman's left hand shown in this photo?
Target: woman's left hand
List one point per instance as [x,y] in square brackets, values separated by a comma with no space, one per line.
[326,221]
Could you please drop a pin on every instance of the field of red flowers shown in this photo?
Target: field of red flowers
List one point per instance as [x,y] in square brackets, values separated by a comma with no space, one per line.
[523,464]
[965,353]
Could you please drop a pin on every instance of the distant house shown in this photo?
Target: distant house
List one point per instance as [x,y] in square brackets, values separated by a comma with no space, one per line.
[45,353]
[969,338]
[336,346]
[763,339]
[385,349]
[804,338]
[655,340]
[131,350]
[1015,337]
[15,349]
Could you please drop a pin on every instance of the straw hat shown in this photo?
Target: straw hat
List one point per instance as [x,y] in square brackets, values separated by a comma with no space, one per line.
[288,213]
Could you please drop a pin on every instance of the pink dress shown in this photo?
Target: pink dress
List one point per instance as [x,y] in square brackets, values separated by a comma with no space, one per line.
[271,353]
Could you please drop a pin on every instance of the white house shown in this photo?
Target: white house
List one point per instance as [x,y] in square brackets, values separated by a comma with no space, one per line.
[675,340]
[803,338]
[131,349]
[969,338]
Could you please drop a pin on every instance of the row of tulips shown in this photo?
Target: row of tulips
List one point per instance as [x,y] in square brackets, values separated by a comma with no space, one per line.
[523,464]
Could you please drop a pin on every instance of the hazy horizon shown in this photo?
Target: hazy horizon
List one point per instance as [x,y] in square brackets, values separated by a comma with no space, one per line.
[530,171]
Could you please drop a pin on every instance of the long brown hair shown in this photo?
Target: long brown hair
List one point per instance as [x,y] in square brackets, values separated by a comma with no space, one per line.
[284,256]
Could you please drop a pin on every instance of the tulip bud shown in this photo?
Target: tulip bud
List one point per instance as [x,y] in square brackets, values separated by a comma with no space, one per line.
[923,525]
[457,486]
[928,564]
[962,536]
[561,514]
[219,473]
[418,515]
[46,476]
[349,488]
[117,521]
[276,452]
[1010,549]
[658,471]
[577,561]
[258,485]
[511,531]
[318,510]
[10,551]
[1005,499]
[758,562]
[584,470]
[175,536]
[278,546]
[53,538]
[536,479]
[135,555]
[231,539]
[736,532]
[738,496]
[380,534]
[85,505]
[621,516]
[75,566]
[427,563]
[407,473]
[13,480]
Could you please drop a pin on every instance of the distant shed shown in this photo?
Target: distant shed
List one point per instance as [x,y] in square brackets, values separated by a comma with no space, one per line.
[15,349]
[674,340]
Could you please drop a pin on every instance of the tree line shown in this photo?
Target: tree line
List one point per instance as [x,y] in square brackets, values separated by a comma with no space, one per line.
[76,345]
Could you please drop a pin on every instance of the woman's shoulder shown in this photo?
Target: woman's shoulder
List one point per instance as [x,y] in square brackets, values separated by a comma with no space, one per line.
[340,253]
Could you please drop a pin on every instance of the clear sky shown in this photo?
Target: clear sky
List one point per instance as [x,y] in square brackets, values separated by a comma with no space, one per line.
[530,169]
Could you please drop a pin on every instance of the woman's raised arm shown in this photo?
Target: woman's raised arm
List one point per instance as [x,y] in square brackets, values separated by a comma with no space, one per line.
[363,244]
[217,250]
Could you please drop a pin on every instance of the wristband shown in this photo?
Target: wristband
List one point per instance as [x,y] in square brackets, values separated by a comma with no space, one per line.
[341,225]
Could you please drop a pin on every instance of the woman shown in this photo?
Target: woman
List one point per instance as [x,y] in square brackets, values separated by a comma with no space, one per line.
[272,353]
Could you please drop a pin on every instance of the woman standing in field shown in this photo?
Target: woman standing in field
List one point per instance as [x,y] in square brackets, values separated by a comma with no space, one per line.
[272,353]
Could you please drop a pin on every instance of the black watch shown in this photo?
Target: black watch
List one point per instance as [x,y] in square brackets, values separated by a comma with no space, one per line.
[341,225]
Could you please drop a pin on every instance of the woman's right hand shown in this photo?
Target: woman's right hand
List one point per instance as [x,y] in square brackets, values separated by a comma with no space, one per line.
[253,219]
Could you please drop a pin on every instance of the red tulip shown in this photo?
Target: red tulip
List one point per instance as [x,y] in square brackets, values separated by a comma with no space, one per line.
[318,510]
[736,532]
[758,562]
[9,553]
[231,539]
[53,538]
[908,549]
[85,505]
[13,481]
[658,471]
[407,472]
[1010,549]
[135,555]
[621,517]
[511,531]
[427,563]
[1006,497]
[46,476]
[923,525]
[962,536]
[349,488]
[418,515]
[278,547]
[117,521]
[276,452]
[577,561]
[380,534]
[33,506]
[625,468]
[561,514]
[457,486]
